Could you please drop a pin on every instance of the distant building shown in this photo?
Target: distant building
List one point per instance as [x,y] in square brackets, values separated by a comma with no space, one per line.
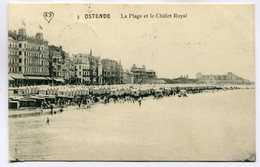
[28,58]
[183,79]
[95,69]
[229,78]
[57,65]
[69,71]
[151,74]
[82,68]
[87,69]
[128,77]
[112,72]
[141,74]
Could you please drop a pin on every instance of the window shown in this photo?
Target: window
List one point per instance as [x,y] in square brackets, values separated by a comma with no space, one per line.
[20,53]
[20,68]
[79,73]
[20,45]
[20,60]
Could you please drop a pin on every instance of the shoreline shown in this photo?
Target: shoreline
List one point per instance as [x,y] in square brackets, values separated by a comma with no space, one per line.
[38,111]
[170,126]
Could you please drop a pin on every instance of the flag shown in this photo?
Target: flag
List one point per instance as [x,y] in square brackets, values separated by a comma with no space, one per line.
[40,27]
[23,23]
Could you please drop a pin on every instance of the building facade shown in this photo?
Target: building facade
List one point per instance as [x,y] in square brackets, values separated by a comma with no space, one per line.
[151,74]
[88,69]
[112,72]
[81,68]
[57,63]
[32,61]
[28,58]
[128,77]
[69,71]
[141,74]
[15,61]
[95,69]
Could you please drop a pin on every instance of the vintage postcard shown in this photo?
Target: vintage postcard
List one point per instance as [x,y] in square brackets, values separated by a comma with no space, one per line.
[131,82]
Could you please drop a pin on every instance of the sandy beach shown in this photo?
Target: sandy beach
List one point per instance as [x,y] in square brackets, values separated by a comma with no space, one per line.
[210,126]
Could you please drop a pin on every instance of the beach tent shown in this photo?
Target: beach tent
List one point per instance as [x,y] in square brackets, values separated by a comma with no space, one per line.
[43,91]
[27,102]
[13,104]
[135,92]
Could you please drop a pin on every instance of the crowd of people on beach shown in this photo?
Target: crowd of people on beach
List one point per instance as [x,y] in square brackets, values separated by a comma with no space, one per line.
[87,101]
[53,100]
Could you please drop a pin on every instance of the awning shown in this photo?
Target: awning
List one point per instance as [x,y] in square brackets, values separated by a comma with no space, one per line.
[27,100]
[17,76]
[59,79]
[10,78]
[36,78]
[48,78]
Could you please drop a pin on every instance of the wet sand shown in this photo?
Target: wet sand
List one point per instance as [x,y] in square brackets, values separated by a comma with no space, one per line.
[209,126]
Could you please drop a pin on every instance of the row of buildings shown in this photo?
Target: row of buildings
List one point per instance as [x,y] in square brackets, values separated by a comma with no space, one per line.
[33,61]
[229,78]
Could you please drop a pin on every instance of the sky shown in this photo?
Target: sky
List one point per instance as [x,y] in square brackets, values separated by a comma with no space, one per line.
[213,39]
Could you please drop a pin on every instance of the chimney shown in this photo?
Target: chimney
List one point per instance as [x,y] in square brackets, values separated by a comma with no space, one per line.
[22,32]
[39,36]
